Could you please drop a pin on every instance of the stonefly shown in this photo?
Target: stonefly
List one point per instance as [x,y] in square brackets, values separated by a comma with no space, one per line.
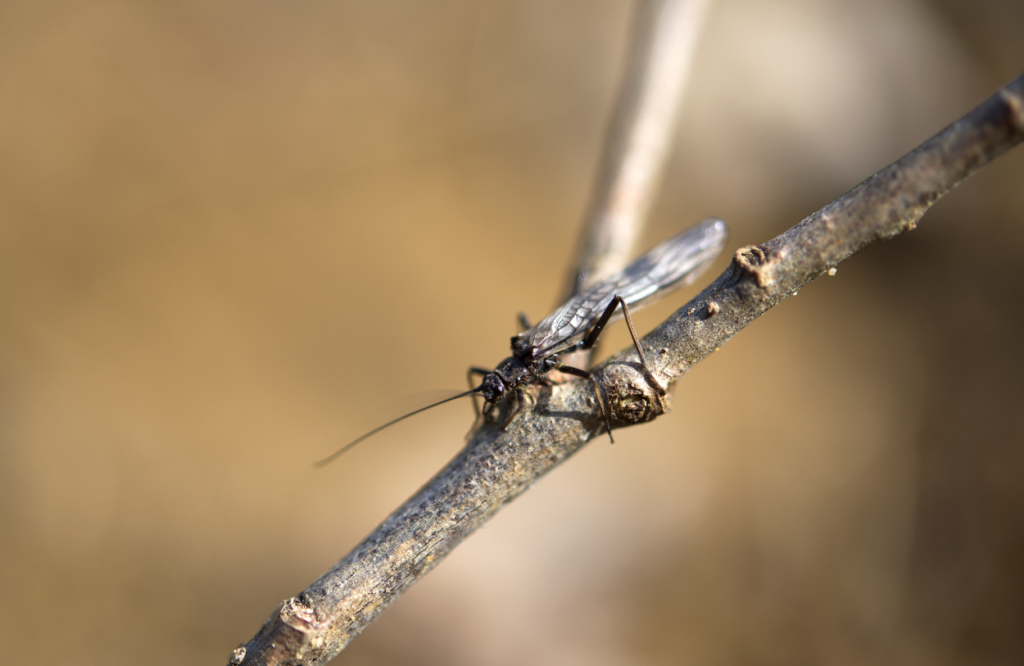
[576,325]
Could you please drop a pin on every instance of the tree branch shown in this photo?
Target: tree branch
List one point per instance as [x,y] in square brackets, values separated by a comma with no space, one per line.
[496,466]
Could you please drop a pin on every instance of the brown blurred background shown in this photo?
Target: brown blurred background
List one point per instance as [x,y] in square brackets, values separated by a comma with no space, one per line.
[235,235]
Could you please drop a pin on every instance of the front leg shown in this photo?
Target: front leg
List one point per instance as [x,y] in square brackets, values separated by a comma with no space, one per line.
[469,378]
[520,403]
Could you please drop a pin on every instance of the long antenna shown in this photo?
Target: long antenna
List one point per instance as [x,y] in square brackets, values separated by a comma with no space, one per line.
[337,454]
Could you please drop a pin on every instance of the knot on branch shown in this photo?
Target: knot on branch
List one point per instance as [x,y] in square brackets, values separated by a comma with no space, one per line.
[754,261]
[289,636]
[630,397]
[1015,104]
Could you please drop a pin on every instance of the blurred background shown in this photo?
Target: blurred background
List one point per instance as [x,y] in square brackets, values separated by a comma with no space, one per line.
[236,235]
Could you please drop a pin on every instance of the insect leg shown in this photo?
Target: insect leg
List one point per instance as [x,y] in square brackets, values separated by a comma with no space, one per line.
[524,322]
[469,377]
[569,370]
[603,321]
[520,403]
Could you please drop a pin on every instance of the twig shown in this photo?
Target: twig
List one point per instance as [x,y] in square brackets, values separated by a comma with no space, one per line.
[662,42]
[496,466]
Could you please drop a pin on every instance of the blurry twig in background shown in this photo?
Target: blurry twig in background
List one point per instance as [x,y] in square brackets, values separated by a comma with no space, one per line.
[664,39]
[498,465]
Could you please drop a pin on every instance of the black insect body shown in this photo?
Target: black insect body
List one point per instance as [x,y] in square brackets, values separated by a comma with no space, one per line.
[577,325]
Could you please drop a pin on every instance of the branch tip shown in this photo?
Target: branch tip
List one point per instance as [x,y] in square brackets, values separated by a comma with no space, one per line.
[1015,102]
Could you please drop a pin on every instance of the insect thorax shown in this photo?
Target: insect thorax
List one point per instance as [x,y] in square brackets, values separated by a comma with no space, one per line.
[513,372]
[521,348]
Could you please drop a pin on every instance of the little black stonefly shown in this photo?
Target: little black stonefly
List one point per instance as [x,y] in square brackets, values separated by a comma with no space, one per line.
[577,325]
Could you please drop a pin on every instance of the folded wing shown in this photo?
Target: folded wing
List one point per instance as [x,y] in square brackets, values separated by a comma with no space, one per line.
[672,264]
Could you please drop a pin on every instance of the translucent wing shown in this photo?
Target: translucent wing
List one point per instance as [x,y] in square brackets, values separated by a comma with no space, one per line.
[674,263]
